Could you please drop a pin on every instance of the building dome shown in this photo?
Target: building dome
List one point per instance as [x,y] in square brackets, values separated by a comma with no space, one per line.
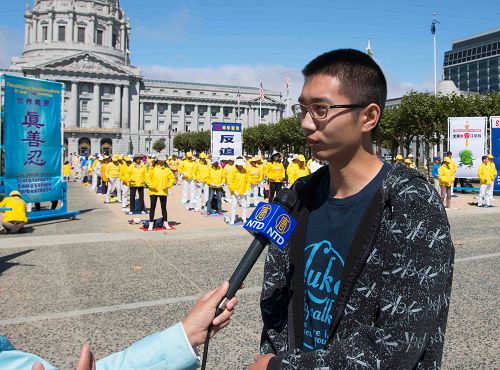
[59,28]
[447,87]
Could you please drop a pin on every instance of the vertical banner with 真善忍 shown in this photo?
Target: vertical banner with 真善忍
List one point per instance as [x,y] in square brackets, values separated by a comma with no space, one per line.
[32,138]
[495,147]
[467,142]
[226,140]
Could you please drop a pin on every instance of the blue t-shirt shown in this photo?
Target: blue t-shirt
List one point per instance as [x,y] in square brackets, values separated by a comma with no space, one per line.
[330,230]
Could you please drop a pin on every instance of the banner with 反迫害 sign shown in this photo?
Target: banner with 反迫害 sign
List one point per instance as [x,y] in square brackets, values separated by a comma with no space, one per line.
[495,147]
[467,142]
[32,138]
[226,140]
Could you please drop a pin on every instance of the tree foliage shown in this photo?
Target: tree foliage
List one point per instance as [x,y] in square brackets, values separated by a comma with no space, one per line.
[159,145]
[284,136]
[420,116]
[192,141]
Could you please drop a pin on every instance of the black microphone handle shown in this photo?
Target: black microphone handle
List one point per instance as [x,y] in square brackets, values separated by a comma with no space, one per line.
[239,275]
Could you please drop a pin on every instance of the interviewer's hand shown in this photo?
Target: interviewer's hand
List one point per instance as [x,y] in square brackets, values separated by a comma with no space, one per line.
[261,362]
[202,314]
[86,362]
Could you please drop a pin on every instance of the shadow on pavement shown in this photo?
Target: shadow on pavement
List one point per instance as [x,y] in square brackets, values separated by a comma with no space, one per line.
[5,264]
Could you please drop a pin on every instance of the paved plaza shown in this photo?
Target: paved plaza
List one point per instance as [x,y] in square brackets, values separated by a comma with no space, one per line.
[99,280]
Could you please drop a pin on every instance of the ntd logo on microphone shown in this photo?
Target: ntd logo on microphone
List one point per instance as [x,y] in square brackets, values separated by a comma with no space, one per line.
[272,221]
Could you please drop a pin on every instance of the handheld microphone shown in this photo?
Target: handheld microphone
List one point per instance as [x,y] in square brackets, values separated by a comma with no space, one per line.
[269,223]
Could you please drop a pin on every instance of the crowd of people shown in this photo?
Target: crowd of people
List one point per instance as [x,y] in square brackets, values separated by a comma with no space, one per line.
[207,181]
[444,179]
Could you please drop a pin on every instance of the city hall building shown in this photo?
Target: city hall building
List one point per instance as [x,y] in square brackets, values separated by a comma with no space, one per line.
[108,105]
[473,62]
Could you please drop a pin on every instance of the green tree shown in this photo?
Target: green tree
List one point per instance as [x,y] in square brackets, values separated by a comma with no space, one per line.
[159,145]
[181,142]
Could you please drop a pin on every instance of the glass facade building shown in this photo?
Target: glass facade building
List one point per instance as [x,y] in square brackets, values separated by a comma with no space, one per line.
[473,62]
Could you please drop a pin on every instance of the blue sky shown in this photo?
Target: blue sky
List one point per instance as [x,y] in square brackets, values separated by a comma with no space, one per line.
[210,41]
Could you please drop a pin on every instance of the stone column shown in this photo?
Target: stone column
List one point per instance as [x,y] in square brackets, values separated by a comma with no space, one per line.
[72,145]
[91,32]
[26,33]
[73,111]
[109,35]
[182,118]
[96,111]
[209,114]
[71,30]
[50,30]
[117,114]
[126,107]
[154,117]
[95,145]
[196,118]
[122,37]
[141,116]
[35,30]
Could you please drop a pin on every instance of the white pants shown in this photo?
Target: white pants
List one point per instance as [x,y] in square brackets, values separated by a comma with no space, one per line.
[200,195]
[253,194]
[187,191]
[484,195]
[114,183]
[242,200]
[125,192]
[94,181]
[490,190]
[227,193]
[437,186]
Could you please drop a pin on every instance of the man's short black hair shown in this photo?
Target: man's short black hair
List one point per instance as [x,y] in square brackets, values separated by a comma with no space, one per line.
[361,79]
[484,157]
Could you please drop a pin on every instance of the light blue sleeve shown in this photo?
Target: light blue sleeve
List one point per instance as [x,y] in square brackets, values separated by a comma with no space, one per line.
[166,350]
[12,359]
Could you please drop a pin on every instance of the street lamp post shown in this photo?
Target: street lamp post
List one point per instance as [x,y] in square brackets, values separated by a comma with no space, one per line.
[436,147]
[169,138]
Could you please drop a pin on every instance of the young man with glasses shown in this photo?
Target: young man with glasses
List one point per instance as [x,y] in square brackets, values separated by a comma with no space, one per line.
[365,280]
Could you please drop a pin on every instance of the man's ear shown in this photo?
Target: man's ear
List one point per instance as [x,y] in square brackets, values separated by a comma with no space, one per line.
[369,117]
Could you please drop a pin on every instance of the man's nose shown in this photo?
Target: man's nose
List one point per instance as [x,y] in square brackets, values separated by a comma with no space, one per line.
[307,123]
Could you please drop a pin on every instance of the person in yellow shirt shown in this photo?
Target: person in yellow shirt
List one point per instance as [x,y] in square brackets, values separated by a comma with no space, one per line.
[262,166]
[201,173]
[15,217]
[136,182]
[446,176]
[411,164]
[300,171]
[104,176]
[216,181]
[229,168]
[124,171]
[275,173]
[256,175]
[494,174]
[113,175]
[187,170]
[173,164]
[453,167]
[240,183]
[291,169]
[66,171]
[96,174]
[485,181]
[159,179]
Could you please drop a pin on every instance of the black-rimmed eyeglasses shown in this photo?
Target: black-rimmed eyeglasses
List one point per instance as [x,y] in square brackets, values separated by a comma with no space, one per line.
[318,110]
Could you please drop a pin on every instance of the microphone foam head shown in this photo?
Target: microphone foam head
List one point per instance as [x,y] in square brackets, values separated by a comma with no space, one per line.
[286,198]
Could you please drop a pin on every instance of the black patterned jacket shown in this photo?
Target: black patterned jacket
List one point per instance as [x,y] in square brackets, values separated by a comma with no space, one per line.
[393,302]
